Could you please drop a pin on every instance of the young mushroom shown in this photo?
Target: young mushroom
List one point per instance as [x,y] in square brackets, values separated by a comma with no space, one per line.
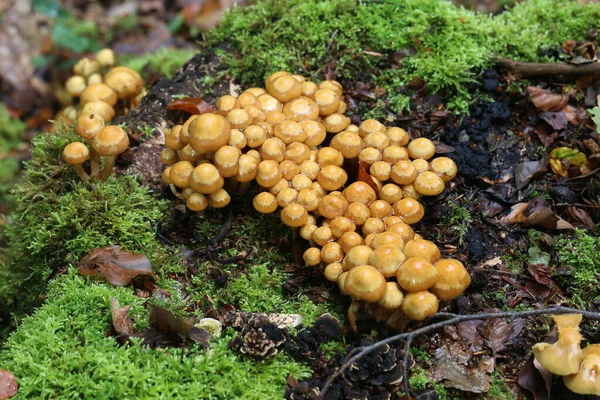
[109,142]
[76,154]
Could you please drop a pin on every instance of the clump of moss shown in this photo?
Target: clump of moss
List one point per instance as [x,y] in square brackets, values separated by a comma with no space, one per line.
[164,61]
[451,44]
[11,130]
[57,220]
[62,351]
[580,252]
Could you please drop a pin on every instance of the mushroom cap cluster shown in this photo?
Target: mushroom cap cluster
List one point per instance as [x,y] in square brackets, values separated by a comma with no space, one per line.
[103,91]
[99,87]
[359,232]
[580,368]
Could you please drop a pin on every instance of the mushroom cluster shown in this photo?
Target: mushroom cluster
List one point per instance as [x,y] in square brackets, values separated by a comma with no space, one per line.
[580,368]
[99,87]
[359,232]
[104,91]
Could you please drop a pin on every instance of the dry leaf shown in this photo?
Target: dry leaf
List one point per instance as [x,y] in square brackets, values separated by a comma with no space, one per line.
[539,213]
[530,378]
[364,176]
[121,319]
[118,266]
[527,170]
[191,105]
[546,101]
[449,368]
[499,333]
[557,120]
[8,384]
[575,115]
[516,214]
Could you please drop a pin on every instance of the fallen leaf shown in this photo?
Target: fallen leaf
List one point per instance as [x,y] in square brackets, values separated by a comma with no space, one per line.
[539,213]
[8,384]
[118,266]
[455,375]
[500,332]
[557,120]
[191,105]
[121,319]
[525,171]
[173,328]
[575,115]
[516,214]
[546,101]
[469,334]
[364,176]
[582,217]
[531,379]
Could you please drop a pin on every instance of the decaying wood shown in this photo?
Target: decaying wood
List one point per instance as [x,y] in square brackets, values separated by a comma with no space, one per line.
[545,69]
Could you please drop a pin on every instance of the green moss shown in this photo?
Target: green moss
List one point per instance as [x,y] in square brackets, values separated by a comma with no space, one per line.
[11,130]
[62,352]
[164,61]
[452,44]
[581,252]
[58,220]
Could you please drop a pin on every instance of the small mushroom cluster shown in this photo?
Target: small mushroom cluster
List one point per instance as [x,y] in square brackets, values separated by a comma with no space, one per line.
[104,91]
[580,368]
[359,232]
[99,87]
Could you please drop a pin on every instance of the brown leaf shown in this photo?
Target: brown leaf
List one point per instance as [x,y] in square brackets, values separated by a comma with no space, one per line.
[546,101]
[541,274]
[449,367]
[165,322]
[118,266]
[539,213]
[557,120]
[499,333]
[530,378]
[582,217]
[364,176]
[191,105]
[516,214]
[121,319]
[526,170]
[575,115]
[469,334]
[8,384]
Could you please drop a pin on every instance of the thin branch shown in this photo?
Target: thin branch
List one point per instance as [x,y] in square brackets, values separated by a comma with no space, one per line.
[354,356]
[544,69]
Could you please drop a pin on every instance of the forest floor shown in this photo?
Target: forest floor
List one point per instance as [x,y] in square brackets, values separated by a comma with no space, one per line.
[522,214]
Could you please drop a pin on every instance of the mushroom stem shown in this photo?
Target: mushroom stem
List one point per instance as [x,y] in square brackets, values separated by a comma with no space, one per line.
[109,163]
[82,174]
[94,161]
[175,192]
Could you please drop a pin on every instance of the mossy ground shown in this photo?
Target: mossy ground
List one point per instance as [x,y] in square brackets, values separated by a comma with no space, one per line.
[445,45]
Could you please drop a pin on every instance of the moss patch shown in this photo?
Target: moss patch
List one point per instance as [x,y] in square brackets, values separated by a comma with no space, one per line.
[58,220]
[61,351]
[165,61]
[451,44]
[10,137]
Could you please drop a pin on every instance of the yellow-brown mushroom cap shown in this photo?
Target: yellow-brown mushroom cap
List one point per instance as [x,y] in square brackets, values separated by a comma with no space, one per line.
[423,248]
[360,192]
[453,279]
[180,173]
[294,215]
[88,125]
[265,203]
[585,381]
[428,184]
[358,255]
[124,81]
[205,179]
[365,283]
[420,305]
[209,132]
[111,140]
[98,91]
[333,271]
[416,274]
[421,148]
[393,297]
[387,259]
[563,357]
[75,153]
[444,167]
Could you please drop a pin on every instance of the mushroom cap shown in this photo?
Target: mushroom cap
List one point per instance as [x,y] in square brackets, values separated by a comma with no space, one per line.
[563,357]
[392,298]
[105,110]
[350,144]
[209,132]
[265,203]
[219,198]
[333,271]
[111,140]
[332,206]
[312,256]
[360,192]
[124,81]
[428,184]
[88,125]
[587,379]
[349,240]
[294,215]
[332,252]
[180,173]
[196,202]
[332,177]
[421,148]
[75,153]
[301,108]
[452,281]
[98,91]
[410,210]
[365,283]
[444,167]
[206,179]
[356,256]
[422,248]
[387,259]
[420,305]
[416,274]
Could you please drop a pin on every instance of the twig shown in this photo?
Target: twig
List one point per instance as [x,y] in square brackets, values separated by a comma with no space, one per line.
[544,69]
[331,39]
[358,352]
